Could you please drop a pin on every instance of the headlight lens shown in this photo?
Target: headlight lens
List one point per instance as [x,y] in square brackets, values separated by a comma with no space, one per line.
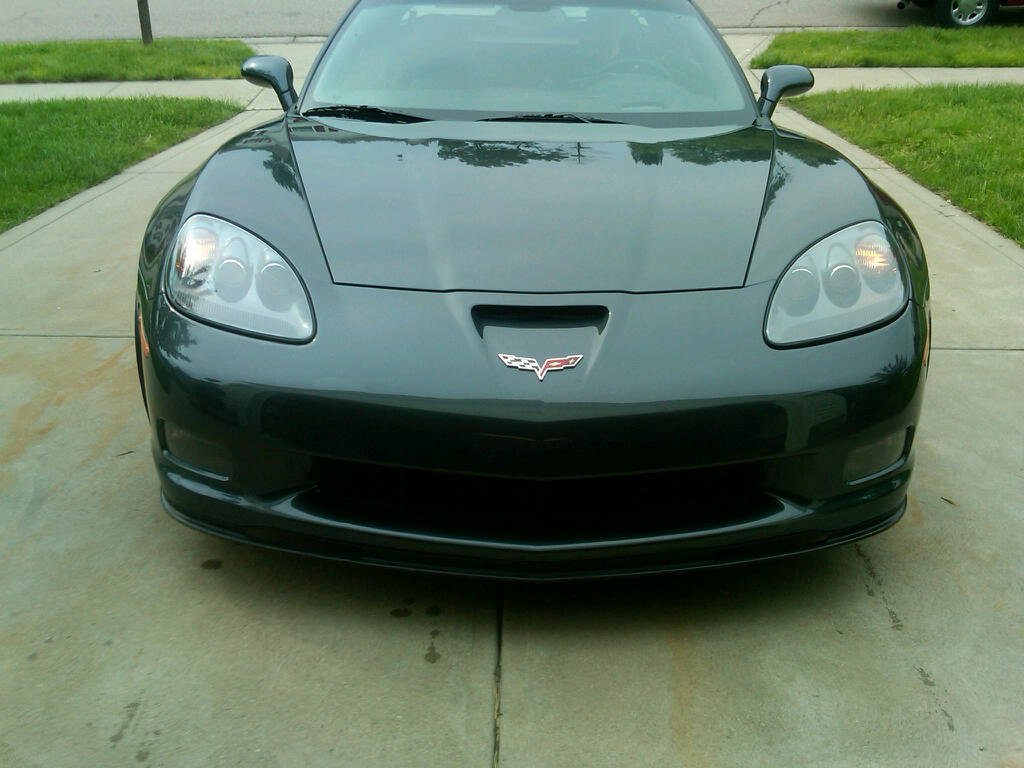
[227,276]
[848,281]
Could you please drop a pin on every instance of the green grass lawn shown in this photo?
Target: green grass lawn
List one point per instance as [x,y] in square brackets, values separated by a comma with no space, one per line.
[91,60]
[53,149]
[907,47]
[964,142]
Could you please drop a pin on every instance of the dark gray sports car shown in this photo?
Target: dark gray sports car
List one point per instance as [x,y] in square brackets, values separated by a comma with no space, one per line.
[533,289]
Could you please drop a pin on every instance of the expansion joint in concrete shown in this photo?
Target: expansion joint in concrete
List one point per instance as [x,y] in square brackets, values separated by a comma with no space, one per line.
[64,334]
[499,631]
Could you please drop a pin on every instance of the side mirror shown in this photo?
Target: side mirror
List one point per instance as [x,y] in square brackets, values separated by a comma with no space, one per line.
[782,80]
[272,72]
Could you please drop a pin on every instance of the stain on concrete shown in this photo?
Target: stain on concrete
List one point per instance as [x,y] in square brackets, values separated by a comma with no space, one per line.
[130,711]
[913,515]
[432,655]
[869,567]
[400,613]
[35,425]
[28,426]
[33,656]
[434,610]
[949,720]
[874,587]
[1012,759]
[114,375]
[895,622]
[211,565]
[146,747]
[939,705]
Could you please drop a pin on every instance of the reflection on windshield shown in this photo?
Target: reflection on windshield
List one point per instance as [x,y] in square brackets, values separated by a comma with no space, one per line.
[496,59]
[740,146]
[494,154]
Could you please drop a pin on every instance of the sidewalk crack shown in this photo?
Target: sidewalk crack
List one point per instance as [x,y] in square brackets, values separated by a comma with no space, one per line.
[909,74]
[496,715]
[764,8]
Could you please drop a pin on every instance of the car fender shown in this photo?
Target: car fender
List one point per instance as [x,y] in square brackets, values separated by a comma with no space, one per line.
[813,191]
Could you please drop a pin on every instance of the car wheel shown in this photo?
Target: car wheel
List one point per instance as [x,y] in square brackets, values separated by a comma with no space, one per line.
[965,13]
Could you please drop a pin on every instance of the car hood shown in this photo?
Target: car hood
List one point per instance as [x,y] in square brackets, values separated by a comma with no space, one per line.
[555,214]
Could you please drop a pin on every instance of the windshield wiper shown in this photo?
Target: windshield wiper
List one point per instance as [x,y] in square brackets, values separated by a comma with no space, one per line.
[553,117]
[363,112]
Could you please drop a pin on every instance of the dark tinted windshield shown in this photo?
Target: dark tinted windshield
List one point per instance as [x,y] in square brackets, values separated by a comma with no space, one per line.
[621,60]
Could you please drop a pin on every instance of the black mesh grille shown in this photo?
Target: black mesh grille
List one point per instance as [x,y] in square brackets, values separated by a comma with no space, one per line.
[538,511]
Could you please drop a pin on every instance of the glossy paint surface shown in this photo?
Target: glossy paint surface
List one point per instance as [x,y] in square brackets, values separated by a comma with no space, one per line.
[583,213]
[398,436]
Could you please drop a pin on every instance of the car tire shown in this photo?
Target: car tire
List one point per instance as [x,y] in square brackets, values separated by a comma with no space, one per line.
[965,13]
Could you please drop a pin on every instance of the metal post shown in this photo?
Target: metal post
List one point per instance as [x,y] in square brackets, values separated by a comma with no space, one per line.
[144,22]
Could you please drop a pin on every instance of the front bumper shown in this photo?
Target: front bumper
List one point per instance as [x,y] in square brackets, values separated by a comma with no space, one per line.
[415,447]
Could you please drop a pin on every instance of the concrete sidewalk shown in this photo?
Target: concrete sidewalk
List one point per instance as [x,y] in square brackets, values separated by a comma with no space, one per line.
[300,53]
[747,44]
[128,640]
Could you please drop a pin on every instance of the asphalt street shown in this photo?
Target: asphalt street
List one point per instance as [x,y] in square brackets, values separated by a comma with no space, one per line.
[32,20]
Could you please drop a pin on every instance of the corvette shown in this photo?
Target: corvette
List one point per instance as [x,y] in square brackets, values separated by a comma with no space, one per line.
[531,289]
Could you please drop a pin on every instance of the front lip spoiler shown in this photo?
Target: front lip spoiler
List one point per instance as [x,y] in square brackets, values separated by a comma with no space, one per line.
[479,562]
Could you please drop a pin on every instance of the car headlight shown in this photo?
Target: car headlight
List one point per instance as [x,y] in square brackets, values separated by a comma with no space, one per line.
[229,277]
[847,282]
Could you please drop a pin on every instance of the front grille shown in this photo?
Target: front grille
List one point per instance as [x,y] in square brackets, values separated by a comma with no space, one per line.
[538,511]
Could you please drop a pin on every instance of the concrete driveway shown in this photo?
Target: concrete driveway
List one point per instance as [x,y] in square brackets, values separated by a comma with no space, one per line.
[127,639]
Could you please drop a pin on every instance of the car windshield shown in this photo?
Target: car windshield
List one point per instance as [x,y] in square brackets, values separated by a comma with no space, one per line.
[653,62]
